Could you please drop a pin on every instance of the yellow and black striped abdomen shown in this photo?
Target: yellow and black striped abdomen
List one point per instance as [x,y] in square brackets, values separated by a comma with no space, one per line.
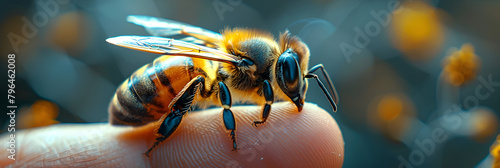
[145,96]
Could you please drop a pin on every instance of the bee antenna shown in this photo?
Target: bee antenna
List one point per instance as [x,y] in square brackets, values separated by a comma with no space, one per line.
[327,94]
[333,100]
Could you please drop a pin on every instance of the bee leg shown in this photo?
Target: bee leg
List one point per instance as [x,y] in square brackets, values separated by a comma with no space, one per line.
[169,123]
[227,114]
[269,95]
[168,126]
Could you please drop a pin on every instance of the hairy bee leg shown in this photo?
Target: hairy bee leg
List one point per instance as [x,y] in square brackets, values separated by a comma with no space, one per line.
[269,95]
[227,114]
[169,123]
[168,126]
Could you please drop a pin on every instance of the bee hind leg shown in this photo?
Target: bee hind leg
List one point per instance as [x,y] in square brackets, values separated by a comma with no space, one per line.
[168,123]
[269,95]
[227,114]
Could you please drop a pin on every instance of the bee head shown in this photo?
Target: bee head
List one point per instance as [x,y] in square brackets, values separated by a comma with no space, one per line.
[290,77]
[291,68]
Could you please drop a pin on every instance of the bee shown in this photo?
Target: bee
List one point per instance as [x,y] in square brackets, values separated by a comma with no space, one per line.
[207,68]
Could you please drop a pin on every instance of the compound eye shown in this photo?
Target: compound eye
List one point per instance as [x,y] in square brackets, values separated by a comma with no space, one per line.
[288,72]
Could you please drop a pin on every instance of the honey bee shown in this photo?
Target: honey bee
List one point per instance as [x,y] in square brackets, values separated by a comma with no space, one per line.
[207,68]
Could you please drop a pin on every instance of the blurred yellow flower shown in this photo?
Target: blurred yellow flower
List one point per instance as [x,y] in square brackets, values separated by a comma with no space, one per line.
[417,30]
[461,66]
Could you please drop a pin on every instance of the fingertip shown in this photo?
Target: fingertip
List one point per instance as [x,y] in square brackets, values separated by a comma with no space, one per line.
[76,145]
[310,138]
[9,152]
[145,133]
[329,132]
[288,138]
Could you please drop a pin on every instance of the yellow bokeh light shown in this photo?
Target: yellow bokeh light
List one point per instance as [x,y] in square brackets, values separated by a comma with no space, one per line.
[70,32]
[495,152]
[389,108]
[484,124]
[41,113]
[391,114]
[416,30]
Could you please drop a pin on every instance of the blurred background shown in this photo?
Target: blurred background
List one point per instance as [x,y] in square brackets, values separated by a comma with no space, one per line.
[417,80]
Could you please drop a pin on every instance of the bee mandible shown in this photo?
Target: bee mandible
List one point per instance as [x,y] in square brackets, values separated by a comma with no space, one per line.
[207,68]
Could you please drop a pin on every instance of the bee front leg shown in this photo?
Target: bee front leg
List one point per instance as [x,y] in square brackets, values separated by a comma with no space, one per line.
[269,95]
[227,114]
[182,102]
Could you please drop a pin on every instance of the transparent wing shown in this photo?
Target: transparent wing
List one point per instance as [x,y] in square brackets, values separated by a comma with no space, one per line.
[198,41]
[168,46]
[165,27]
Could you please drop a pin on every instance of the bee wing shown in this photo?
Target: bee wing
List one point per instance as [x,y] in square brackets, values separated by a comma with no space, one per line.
[198,41]
[168,46]
[165,27]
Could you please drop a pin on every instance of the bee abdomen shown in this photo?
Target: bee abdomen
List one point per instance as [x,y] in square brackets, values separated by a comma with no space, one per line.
[145,96]
[129,103]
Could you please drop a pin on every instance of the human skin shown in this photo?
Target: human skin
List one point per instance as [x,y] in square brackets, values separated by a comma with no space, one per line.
[310,138]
